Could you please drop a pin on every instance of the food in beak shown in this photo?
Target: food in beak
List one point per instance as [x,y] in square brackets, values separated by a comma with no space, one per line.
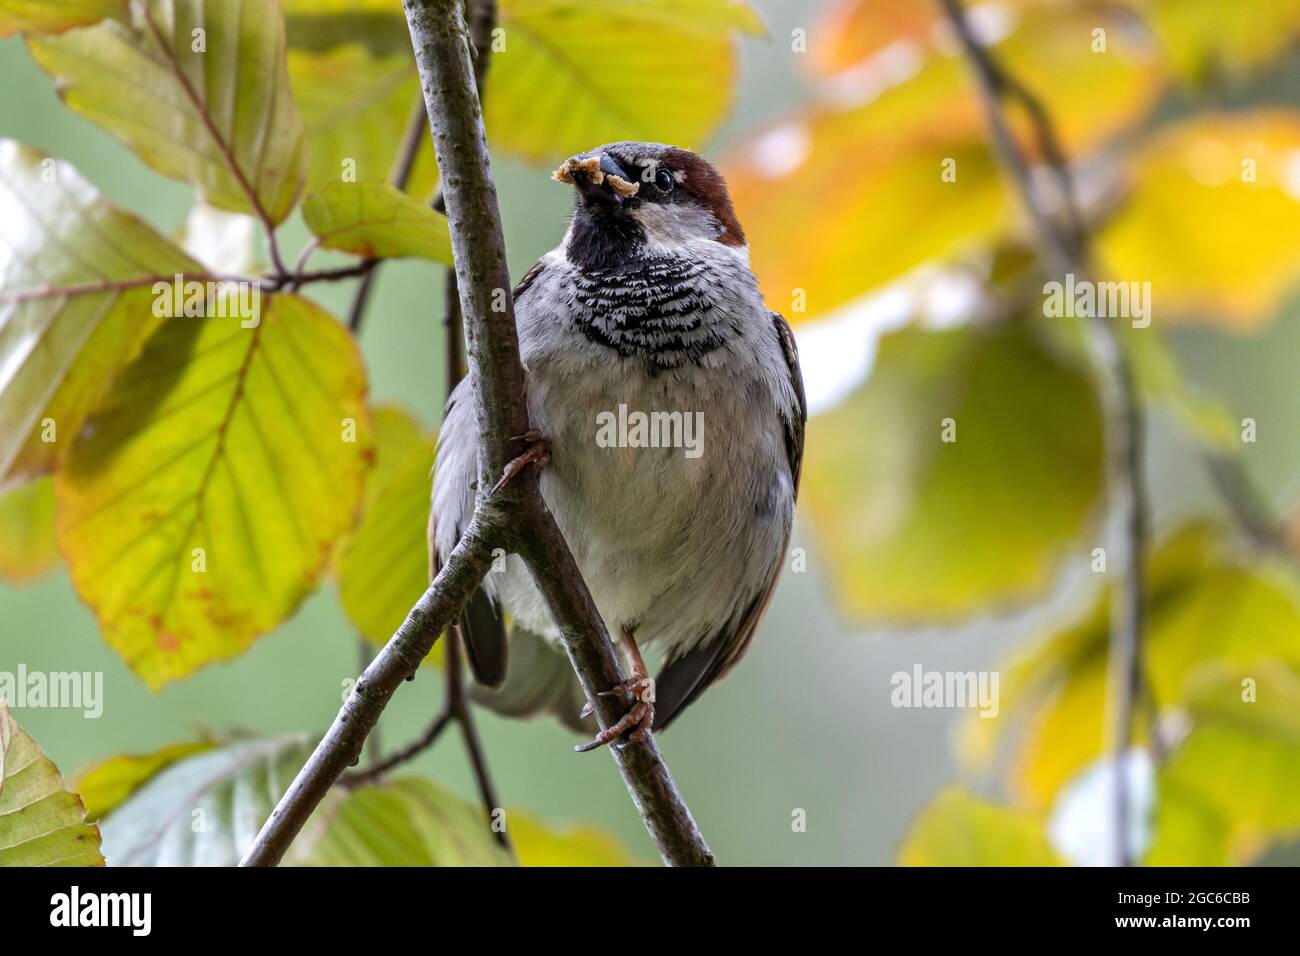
[589,166]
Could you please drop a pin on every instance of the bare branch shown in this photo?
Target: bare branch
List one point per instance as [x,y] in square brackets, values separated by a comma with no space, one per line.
[401,656]
[1063,249]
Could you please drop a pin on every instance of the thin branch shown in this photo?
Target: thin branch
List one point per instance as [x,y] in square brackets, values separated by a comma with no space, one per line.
[516,517]
[1063,250]
[267,283]
[341,746]
[459,707]
[377,770]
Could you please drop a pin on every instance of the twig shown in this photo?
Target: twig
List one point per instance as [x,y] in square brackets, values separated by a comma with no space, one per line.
[377,770]
[341,746]
[516,518]
[1063,250]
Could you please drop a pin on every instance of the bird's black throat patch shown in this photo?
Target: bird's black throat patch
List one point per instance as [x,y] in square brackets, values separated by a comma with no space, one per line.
[663,310]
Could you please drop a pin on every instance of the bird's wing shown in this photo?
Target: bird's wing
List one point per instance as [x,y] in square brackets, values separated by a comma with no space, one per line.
[684,678]
[482,625]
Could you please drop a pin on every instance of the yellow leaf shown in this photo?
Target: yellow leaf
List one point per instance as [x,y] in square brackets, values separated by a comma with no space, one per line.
[1207,39]
[27,548]
[1204,604]
[384,566]
[1211,220]
[106,784]
[538,844]
[899,177]
[203,505]
[617,70]
[953,480]
[45,16]
[356,106]
[958,829]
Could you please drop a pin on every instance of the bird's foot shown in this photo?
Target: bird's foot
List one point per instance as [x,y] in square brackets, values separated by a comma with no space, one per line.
[538,452]
[640,717]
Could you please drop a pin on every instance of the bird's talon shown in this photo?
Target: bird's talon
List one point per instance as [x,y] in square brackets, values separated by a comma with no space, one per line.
[636,723]
[538,452]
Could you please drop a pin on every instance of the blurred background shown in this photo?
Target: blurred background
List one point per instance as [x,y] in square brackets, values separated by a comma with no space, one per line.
[907,294]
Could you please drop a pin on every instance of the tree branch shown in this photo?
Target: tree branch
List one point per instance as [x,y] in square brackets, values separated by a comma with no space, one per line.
[401,656]
[516,517]
[1063,250]
[442,53]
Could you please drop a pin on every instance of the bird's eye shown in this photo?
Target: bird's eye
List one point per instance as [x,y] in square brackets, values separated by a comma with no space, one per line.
[665,180]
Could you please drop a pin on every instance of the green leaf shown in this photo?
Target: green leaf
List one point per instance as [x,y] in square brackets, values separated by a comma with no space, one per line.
[27,548]
[959,829]
[405,823]
[75,303]
[617,70]
[322,24]
[1205,604]
[212,108]
[1210,222]
[376,220]
[384,566]
[1242,755]
[41,822]
[106,784]
[46,16]
[356,107]
[220,470]
[1207,40]
[915,528]
[204,810]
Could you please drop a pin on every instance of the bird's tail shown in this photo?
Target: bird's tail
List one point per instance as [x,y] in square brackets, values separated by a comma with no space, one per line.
[538,680]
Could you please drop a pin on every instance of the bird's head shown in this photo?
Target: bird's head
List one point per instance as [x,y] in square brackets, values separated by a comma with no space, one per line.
[645,199]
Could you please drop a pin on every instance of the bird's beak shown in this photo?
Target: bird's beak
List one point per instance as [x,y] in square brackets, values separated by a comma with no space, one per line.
[599,179]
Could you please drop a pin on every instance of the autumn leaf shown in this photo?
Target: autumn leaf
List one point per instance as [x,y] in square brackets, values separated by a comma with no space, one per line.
[356,106]
[45,16]
[221,468]
[957,828]
[945,486]
[895,162]
[1210,220]
[384,567]
[27,548]
[1205,604]
[231,131]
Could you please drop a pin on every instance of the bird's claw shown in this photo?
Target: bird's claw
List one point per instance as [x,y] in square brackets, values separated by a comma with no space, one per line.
[638,720]
[538,451]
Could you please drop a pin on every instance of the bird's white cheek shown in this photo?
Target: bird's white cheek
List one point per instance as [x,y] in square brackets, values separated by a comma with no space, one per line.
[675,225]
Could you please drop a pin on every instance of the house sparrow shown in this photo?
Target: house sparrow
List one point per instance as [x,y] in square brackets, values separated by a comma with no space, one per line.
[643,328]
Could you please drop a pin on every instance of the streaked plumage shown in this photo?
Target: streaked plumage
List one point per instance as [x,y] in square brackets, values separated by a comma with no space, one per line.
[648,302]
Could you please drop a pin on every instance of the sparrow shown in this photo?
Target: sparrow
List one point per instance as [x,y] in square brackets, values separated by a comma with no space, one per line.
[647,306]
